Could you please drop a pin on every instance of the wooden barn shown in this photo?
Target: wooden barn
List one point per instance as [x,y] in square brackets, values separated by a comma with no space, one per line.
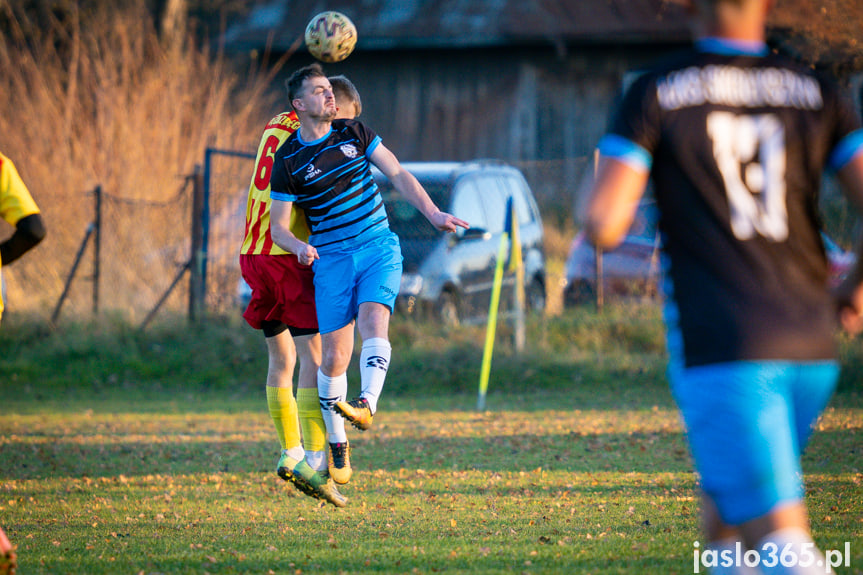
[529,82]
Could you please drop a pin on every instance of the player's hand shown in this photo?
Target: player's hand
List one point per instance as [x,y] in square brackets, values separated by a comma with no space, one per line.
[8,559]
[849,302]
[307,255]
[447,222]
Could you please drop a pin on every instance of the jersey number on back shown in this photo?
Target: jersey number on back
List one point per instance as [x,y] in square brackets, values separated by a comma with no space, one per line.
[750,154]
[264,169]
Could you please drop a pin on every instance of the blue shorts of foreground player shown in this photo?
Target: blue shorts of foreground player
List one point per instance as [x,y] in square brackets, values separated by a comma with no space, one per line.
[345,280]
[747,425]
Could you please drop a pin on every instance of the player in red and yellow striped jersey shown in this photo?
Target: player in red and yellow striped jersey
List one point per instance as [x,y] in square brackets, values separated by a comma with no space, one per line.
[19,209]
[257,239]
[283,307]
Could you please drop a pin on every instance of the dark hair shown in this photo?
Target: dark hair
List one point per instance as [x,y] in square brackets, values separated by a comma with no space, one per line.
[294,84]
[345,88]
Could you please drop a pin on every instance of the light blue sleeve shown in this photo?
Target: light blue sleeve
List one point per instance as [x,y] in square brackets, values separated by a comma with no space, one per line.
[626,151]
[848,148]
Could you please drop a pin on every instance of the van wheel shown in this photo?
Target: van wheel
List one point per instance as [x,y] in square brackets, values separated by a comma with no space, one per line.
[535,296]
[447,309]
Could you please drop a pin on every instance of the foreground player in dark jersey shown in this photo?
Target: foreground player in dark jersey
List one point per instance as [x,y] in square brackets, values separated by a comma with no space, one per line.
[325,168]
[735,139]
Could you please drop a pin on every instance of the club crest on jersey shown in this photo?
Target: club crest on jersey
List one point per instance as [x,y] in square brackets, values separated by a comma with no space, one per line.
[349,150]
[311,172]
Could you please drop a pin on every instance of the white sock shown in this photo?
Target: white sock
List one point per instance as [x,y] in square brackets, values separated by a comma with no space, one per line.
[330,391]
[317,460]
[374,362]
[295,452]
[727,558]
[799,543]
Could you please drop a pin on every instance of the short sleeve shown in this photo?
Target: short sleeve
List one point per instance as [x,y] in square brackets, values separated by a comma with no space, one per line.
[15,199]
[366,137]
[280,183]
[847,137]
[638,117]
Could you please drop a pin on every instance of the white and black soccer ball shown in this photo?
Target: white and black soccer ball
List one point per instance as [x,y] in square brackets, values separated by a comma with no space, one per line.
[331,36]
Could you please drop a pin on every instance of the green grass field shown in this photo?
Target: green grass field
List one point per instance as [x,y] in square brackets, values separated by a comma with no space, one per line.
[126,452]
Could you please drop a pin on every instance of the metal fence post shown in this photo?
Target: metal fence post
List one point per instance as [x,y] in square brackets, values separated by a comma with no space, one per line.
[205,220]
[600,295]
[196,289]
[56,315]
[97,248]
[600,290]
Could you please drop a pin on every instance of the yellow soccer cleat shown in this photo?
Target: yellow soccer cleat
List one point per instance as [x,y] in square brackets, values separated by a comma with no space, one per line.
[357,411]
[339,459]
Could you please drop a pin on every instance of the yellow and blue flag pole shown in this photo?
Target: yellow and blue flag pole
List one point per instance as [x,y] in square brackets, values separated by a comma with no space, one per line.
[511,227]
[491,328]
[514,263]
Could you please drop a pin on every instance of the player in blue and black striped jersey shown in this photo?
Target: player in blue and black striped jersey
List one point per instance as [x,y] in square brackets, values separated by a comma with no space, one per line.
[736,139]
[325,168]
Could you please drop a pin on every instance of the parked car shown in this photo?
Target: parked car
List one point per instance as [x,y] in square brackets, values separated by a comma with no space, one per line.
[450,276]
[633,268]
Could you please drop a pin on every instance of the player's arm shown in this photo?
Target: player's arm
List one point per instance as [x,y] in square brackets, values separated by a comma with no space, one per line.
[29,231]
[280,230]
[410,188]
[849,294]
[609,200]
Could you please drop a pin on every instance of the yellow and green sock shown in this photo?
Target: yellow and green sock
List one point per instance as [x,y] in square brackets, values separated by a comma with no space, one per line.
[283,411]
[312,424]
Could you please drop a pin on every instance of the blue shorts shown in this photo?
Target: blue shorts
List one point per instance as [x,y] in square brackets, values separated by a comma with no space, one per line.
[345,280]
[747,424]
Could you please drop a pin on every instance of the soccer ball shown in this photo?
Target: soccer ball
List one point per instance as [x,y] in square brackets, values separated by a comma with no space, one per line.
[331,36]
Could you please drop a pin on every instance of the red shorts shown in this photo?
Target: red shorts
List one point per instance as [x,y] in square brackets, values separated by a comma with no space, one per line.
[283,290]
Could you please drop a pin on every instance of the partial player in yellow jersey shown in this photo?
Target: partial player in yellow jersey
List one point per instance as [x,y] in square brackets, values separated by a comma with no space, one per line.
[18,208]
[282,306]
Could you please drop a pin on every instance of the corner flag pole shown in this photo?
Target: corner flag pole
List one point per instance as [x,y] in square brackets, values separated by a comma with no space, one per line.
[492,321]
[516,264]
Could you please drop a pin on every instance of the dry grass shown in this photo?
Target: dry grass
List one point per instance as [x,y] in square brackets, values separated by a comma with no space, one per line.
[557,242]
[827,28]
[110,103]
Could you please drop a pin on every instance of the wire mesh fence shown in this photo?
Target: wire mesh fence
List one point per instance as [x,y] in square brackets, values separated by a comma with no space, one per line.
[133,261]
[129,254]
[129,251]
[227,176]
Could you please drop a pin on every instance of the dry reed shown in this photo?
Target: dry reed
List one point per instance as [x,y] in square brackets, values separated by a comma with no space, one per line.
[109,103]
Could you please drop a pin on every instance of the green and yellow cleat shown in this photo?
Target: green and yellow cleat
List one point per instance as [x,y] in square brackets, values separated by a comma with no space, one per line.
[317,484]
[339,460]
[357,411]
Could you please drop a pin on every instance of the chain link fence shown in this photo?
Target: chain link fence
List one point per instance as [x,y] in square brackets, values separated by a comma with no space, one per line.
[112,255]
[120,257]
[227,176]
[135,258]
